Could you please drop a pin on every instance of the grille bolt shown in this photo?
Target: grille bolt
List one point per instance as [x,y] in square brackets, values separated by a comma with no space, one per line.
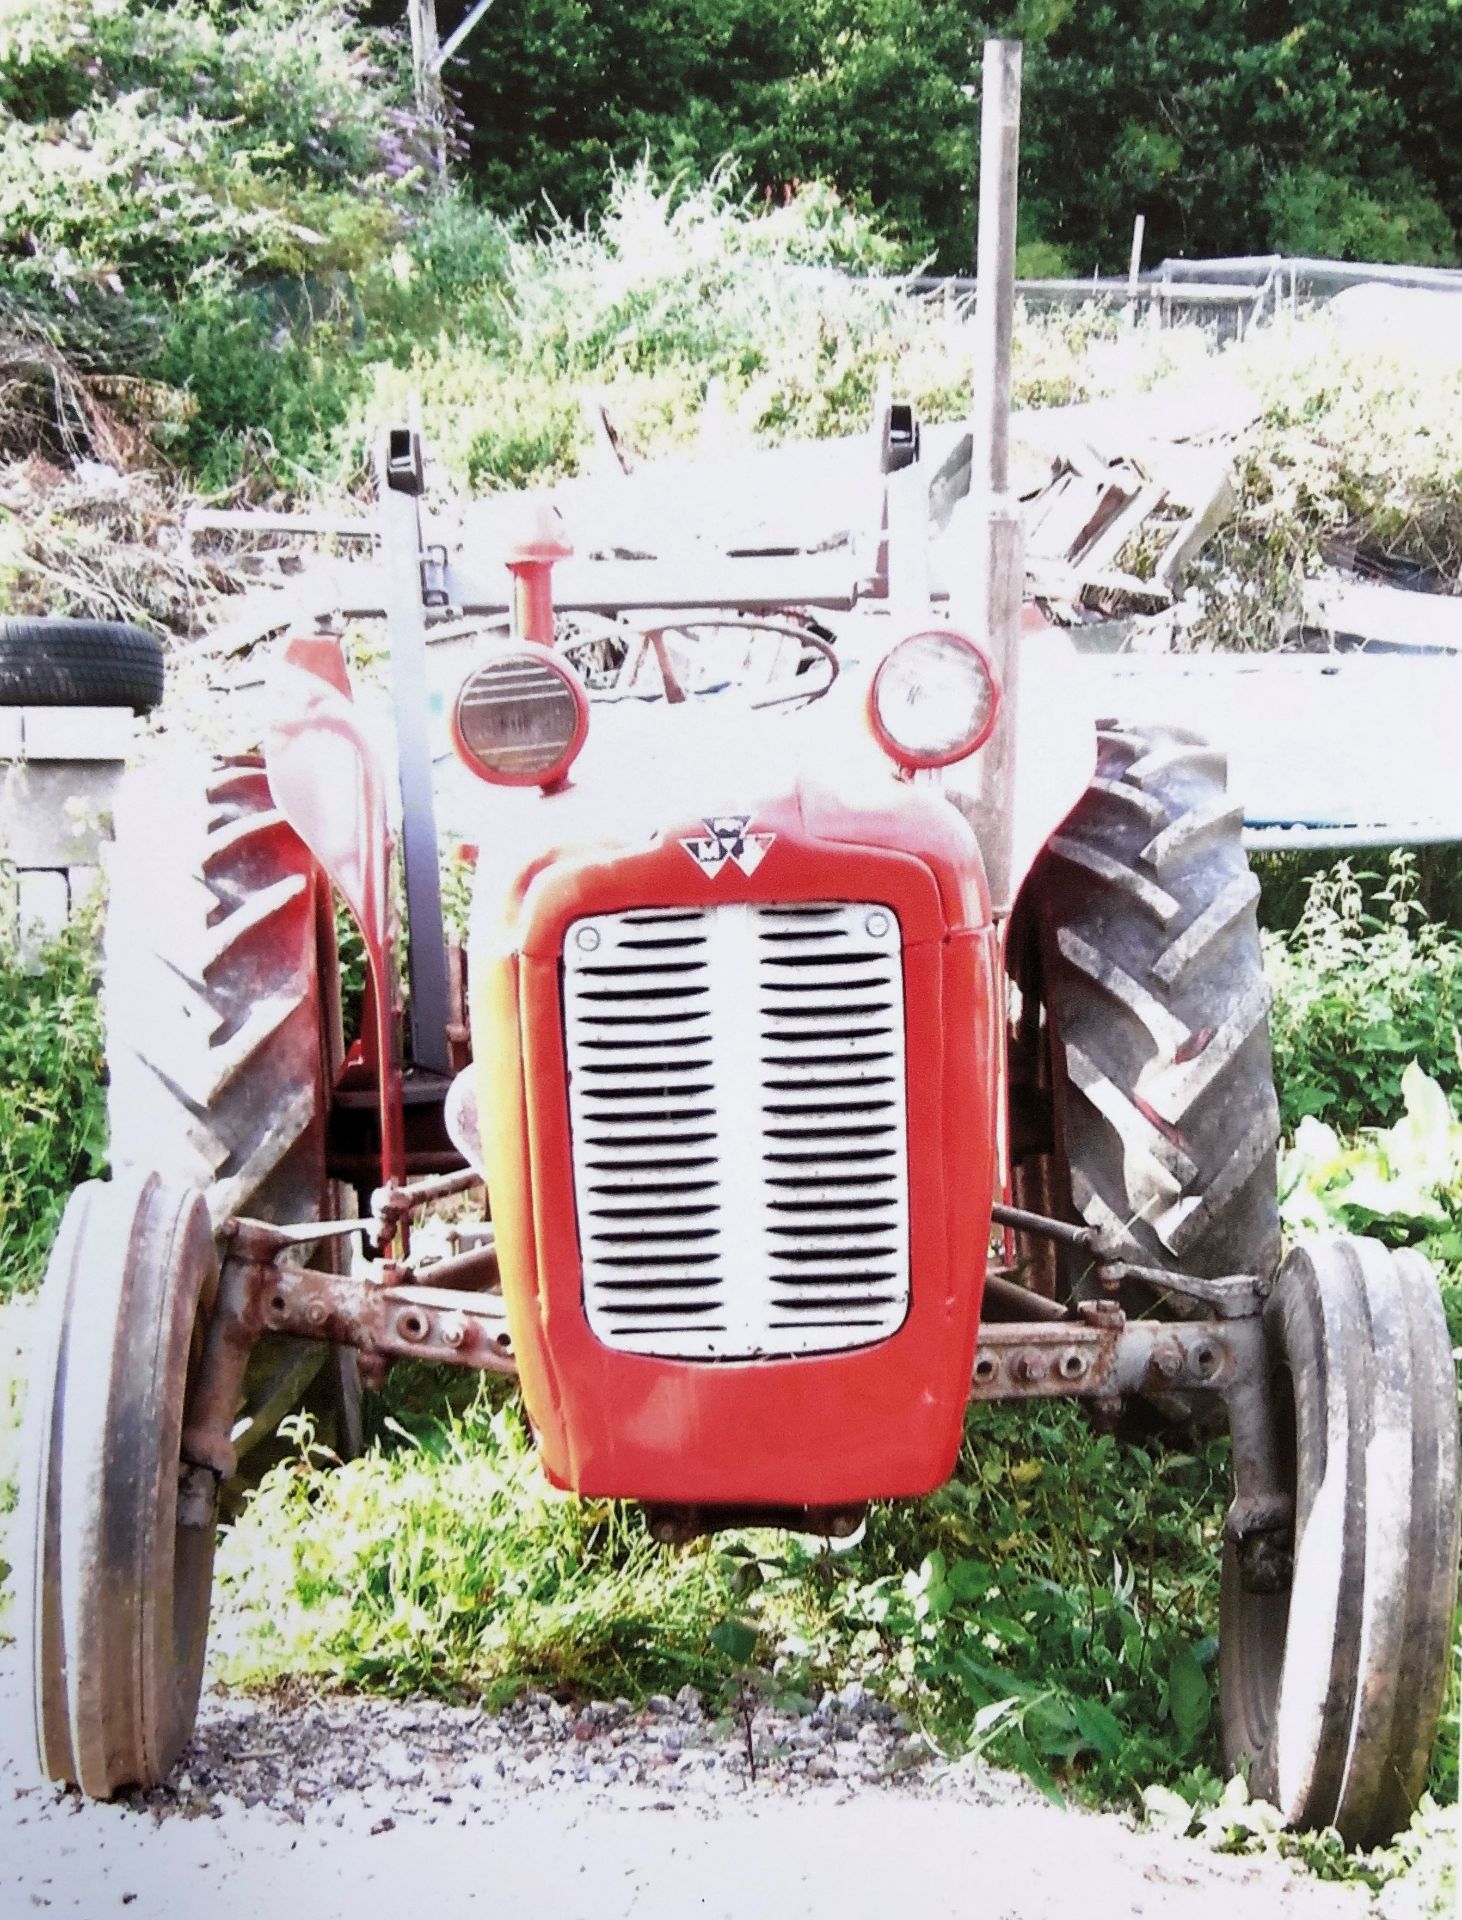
[587,939]
[876,925]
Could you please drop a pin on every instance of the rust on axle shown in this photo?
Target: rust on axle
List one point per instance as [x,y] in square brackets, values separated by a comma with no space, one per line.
[393,1321]
[1106,1356]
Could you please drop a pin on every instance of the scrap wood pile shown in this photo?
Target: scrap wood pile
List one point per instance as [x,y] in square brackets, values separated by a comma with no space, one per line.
[1116,508]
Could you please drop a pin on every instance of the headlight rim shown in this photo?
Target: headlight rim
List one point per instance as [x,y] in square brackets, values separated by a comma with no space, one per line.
[909,758]
[535,653]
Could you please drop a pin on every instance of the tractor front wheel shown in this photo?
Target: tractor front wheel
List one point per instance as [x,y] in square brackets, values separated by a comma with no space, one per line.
[117,1531]
[1332,1686]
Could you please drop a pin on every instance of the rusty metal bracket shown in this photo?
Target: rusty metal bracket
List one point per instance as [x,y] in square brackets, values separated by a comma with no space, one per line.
[1234,1296]
[434,563]
[383,1320]
[398,1200]
[234,1326]
[391,1321]
[1101,1355]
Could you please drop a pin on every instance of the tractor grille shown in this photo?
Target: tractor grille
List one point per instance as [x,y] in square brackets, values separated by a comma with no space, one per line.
[736,1093]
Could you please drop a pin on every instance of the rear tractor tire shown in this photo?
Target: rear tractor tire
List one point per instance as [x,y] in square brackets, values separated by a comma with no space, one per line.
[1331,1687]
[1156,1045]
[223,1031]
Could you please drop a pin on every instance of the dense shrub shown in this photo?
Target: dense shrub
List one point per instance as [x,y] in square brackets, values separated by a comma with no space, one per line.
[1357,446]
[186,193]
[681,284]
[1320,124]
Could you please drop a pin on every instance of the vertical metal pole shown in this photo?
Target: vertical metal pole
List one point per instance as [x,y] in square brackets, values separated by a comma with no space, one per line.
[398,470]
[999,563]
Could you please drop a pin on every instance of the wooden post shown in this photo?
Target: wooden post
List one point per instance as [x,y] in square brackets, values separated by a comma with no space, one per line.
[426,71]
[1134,267]
[998,571]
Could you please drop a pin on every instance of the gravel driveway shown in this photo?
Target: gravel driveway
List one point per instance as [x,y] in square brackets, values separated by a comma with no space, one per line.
[343,1806]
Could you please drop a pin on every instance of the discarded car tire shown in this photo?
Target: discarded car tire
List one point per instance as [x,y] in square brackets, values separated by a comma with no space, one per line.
[1332,1688]
[1165,1116]
[79,663]
[125,1556]
[222,1021]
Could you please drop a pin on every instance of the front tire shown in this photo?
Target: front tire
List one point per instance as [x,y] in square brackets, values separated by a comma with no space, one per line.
[120,1532]
[1331,1689]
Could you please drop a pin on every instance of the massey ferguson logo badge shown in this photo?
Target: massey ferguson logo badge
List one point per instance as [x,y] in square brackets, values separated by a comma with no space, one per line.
[727,839]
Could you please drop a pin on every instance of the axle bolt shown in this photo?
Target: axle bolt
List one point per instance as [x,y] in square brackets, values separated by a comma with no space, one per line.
[317,1313]
[1030,1368]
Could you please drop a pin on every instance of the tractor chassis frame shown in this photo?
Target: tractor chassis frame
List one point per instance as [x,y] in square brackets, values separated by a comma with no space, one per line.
[1098,1355]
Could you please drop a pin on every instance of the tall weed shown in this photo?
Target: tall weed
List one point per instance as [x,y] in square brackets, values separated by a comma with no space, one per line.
[449,1564]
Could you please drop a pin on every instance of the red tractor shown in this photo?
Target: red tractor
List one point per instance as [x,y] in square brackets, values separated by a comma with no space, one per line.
[830,1058]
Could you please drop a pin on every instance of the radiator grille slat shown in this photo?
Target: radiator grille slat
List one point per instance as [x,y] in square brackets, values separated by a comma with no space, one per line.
[737,1104]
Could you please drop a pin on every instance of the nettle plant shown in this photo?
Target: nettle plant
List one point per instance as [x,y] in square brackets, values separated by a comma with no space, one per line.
[1365,985]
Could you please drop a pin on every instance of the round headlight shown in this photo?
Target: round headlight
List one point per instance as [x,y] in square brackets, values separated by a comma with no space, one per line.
[934,699]
[521,717]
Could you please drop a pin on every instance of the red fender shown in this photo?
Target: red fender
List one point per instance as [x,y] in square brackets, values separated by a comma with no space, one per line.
[329,784]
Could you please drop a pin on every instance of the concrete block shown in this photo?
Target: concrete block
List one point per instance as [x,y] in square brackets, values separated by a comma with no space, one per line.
[44,906]
[77,733]
[83,883]
[57,814]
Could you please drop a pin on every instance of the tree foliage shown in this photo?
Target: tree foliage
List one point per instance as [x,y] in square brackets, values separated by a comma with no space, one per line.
[1324,125]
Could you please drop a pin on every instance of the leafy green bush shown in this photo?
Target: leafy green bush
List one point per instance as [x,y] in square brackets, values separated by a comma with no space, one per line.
[1314,212]
[52,1107]
[1403,1181]
[1053,1606]
[185,191]
[1364,985]
[143,142]
[253,381]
